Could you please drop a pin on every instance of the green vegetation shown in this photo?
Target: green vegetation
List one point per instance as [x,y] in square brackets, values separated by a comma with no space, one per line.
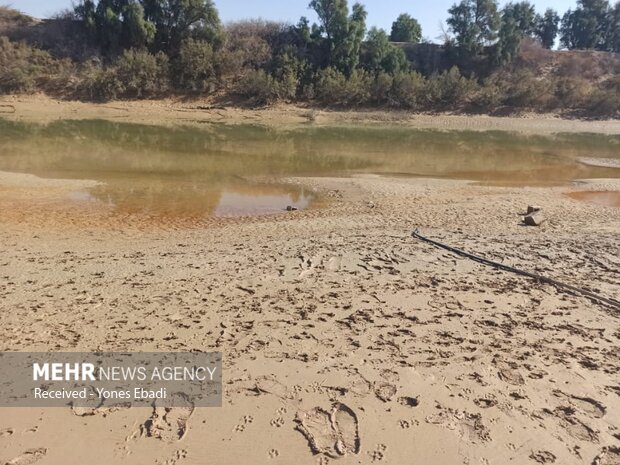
[493,59]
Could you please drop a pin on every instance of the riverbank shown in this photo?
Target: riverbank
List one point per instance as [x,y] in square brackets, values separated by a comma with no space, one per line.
[431,355]
[40,108]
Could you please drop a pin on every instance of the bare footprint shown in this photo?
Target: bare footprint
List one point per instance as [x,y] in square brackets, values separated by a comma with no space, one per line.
[345,423]
[169,423]
[29,457]
[334,433]
[317,428]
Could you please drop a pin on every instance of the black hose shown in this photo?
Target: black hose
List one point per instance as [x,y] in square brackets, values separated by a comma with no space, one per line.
[613,303]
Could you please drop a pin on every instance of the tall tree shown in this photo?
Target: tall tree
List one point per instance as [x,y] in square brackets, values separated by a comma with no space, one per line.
[406,29]
[177,20]
[380,55]
[524,16]
[613,31]
[547,27]
[509,40]
[475,23]
[587,26]
[343,34]
[116,24]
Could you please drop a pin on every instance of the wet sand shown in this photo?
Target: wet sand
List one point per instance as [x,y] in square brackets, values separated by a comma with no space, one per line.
[345,340]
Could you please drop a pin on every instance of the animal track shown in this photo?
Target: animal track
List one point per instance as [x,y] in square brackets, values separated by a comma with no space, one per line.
[378,454]
[239,428]
[169,423]
[273,453]
[277,422]
[6,432]
[404,424]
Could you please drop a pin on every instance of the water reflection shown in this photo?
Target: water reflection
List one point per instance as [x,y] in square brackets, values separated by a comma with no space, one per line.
[213,170]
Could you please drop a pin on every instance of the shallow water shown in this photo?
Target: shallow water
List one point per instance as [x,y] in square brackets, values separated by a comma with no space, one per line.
[231,170]
[604,198]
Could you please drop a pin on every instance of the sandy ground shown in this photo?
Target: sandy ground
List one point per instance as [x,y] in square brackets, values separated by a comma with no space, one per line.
[344,339]
[41,108]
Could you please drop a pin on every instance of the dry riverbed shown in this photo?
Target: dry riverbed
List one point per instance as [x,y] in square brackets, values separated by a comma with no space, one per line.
[344,339]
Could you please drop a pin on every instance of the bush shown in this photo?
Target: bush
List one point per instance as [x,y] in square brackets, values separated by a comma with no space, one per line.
[381,88]
[450,88]
[142,74]
[99,85]
[195,67]
[408,90]
[525,90]
[333,87]
[23,68]
[605,101]
[261,88]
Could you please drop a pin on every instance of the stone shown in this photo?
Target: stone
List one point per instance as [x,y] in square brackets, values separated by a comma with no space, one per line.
[535,218]
[291,209]
[533,208]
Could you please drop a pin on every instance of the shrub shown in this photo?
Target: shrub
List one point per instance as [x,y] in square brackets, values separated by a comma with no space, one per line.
[261,88]
[195,67]
[99,85]
[333,87]
[525,90]
[142,74]
[408,90]
[450,88]
[605,101]
[381,88]
[23,68]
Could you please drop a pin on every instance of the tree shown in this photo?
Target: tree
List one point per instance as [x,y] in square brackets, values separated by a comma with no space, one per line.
[177,20]
[510,35]
[380,55]
[343,33]
[613,33]
[406,29]
[587,26]
[116,24]
[523,14]
[547,27]
[475,24]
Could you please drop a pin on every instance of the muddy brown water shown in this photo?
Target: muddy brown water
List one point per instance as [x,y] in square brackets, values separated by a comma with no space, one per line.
[235,170]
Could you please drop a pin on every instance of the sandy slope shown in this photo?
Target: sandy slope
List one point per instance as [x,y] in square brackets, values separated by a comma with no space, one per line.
[338,329]
[40,108]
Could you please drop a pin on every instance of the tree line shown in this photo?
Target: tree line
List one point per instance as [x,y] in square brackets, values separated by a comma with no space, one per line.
[146,48]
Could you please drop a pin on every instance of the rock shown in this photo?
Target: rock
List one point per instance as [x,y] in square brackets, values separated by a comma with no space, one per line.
[533,208]
[535,218]
[291,209]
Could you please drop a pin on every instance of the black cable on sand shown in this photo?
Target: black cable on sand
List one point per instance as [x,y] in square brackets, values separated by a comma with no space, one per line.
[613,303]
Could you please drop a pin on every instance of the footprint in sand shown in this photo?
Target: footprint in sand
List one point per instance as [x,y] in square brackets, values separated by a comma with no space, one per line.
[333,433]
[6,432]
[469,426]
[574,426]
[385,391]
[589,406]
[609,456]
[169,423]
[509,373]
[543,456]
[29,457]
[274,453]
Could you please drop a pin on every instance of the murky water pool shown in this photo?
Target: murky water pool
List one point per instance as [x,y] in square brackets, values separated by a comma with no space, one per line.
[233,170]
